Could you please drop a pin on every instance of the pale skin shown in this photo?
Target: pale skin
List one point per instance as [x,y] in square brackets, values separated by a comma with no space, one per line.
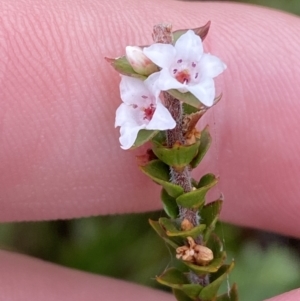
[60,155]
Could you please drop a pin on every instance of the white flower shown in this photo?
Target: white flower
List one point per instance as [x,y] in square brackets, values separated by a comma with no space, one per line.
[186,67]
[141,109]
[139,62]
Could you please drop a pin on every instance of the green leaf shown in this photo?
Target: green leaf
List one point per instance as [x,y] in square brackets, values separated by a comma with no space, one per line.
[211,290]
[207,180]
[187,98]
[143,137]
[171,228]
[205,142]
[161,232]
[209,215]
[169,204]
[160,173]
[215,244]
[180,295]
[211,268]
[195,198]
[199,31]
[172,276]
[177,156]
[121,65]
[177,280]
[187,109]
[231,296]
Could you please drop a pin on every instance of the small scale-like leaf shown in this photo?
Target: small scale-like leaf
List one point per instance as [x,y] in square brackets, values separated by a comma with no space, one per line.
[187,98]
[190,121]
[192,290]
[187,109]
[215,244]
[173,276]
[177,280]
[122,65]
[177,156]
[160,173]
[205,142]
[195,199]
[171,228]
[169,204]
[207,179]
[209,215]
[180,295]
[213,267]
[162,233]
[199,31]
[232,295]
[143,137]
[210,291]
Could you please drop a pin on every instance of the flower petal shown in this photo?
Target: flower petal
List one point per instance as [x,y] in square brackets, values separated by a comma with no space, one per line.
[129,134]
[211,66]
[121,115]
[166,81]
[204,91]
[160,54]
[189,46]
[151,84]
[162,119]
[129,114]
[131,90]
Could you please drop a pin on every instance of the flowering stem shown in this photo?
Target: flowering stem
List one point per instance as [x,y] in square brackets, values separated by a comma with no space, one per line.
[176,64]
[162,33]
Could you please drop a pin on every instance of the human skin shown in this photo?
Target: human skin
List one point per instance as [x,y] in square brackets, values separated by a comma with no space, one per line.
[59,152]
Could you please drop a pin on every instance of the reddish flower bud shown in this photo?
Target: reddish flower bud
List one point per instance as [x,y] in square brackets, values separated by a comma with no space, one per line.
[139,62]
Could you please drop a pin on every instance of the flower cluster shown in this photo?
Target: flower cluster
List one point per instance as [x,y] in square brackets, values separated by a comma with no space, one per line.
[163,67]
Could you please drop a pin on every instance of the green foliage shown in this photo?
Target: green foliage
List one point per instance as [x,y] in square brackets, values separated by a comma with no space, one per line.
[175,279]
[205,142]
[169,204]
[209,215]
[177,156]
[172,231]
[210,291]
[196,198]
[180,295]
[122,66]
[143,137]
[232,295]
[158,228]
[172,228]
[159,173]
[187,98]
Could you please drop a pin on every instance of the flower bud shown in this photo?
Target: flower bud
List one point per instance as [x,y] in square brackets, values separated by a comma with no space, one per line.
[139,62]
[186,225]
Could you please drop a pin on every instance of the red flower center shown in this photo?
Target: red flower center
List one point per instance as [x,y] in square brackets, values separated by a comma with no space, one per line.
[182,76]
[148,112]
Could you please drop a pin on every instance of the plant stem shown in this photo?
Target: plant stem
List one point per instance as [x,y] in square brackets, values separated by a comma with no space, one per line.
[162,33]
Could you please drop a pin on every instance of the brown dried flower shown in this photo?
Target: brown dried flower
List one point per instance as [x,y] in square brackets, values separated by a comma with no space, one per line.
[194,253]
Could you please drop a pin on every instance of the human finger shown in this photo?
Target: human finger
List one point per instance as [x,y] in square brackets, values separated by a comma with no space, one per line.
[60,154]
[37,280]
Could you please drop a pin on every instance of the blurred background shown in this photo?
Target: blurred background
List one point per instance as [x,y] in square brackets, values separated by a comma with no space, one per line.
[266,264]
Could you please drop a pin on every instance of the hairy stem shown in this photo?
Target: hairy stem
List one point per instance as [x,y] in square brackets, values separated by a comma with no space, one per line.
[162,33]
